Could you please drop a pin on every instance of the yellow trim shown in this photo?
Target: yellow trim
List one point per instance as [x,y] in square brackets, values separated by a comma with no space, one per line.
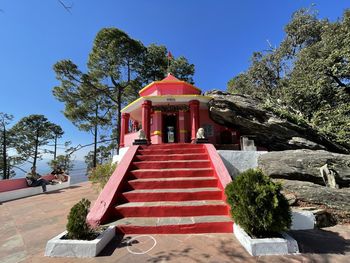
[183,131]
[157,111]
[170,81]
[132,103]
[164,96]
[177,96]
[157,133]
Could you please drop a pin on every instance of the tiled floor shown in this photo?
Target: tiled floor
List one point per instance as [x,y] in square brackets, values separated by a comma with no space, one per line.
[26,225]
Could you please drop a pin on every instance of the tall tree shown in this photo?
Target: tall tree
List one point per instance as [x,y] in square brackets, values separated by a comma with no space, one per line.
[115,58]
[58,133]
[88,108]
[118,66]
[31,133]
[5,167]
[309,71]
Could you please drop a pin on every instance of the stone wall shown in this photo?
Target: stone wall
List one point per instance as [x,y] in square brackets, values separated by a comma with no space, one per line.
[239,161]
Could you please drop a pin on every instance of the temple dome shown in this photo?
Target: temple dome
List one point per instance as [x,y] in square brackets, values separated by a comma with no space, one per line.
[170,85]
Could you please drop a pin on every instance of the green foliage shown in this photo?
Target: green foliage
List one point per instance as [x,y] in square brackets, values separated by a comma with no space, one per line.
[257,204]
[100,175]
[6,141]
[86,106]
[309,71]
[181,69]
[77,226]
[154,65]
[30,133]
[63,161]
[103,155]
[285,112]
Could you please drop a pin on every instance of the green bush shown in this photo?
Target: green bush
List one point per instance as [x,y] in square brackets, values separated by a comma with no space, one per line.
[100,175]
[257,204]
[77,227]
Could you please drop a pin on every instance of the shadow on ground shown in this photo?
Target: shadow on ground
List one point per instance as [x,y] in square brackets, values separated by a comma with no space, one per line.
[321,242]
[74,186]
[184,254]
[117,242]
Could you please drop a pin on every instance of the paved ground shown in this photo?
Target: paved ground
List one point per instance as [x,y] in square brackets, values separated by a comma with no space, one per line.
[26,225]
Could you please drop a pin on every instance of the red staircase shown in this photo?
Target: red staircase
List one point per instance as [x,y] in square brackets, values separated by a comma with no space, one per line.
[172,188]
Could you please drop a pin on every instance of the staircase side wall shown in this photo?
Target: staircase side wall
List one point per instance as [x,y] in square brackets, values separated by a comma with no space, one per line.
[102,209]
[218,166]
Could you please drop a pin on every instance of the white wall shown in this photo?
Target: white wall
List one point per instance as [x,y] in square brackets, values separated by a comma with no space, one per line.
[237,162]
[117,158]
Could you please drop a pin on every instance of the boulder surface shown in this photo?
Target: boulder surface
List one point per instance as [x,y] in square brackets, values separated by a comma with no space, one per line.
[304,165]
[270,131]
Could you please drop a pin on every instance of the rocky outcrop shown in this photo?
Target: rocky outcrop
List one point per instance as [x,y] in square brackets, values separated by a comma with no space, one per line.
[337,199]
[304,165]
[270,131]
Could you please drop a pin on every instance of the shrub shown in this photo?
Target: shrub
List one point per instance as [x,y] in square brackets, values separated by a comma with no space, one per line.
[77,226]
[100,175]
[257,204]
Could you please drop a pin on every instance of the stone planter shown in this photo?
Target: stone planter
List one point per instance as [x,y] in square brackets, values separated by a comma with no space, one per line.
[266,246]
[57,247]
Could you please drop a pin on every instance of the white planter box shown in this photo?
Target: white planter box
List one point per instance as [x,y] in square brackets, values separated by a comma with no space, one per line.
[57,247]
[266,246]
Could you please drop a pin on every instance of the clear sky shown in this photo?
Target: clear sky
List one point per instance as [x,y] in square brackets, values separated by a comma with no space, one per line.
[217,36]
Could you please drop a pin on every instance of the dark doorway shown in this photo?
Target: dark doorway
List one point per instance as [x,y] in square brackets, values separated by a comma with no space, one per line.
[226,137]
[169,127]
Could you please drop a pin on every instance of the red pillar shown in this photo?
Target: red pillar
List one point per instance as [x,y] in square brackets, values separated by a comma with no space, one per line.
[182,128]
[157,127]
[146,119]
[194,117]
[124,128]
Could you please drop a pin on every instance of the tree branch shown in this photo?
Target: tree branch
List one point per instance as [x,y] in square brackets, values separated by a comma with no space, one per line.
[336,79]
[66,7]
[79,146]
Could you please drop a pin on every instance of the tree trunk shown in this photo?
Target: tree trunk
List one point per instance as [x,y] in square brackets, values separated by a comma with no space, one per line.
[4,155]
[94,162]
[119,119]
[55,150]
[36,148]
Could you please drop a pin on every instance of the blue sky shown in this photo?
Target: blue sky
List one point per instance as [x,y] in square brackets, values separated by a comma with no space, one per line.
[217,36]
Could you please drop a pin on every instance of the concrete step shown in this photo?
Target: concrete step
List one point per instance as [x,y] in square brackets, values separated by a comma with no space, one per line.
[193,150]
[171,164]
[167,173]
[166,209]
[169,157]
[174,225]
[182,194]
[173,182]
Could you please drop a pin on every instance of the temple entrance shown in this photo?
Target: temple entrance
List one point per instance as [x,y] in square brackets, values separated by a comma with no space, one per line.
[170,128]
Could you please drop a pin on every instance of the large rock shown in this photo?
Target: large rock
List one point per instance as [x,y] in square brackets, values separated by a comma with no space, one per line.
[272,132]
[304,165]
[338,199]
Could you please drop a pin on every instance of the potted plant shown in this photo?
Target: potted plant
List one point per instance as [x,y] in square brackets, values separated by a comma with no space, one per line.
[261,214]
[79,240]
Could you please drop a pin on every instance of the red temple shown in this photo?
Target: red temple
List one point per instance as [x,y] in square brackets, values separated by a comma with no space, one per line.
[171,111]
